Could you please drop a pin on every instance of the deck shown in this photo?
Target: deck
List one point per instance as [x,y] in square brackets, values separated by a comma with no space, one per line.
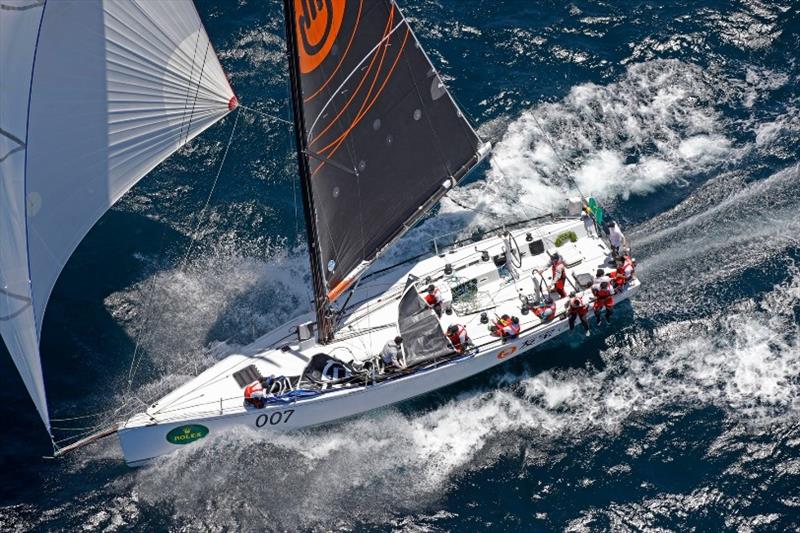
[372,319]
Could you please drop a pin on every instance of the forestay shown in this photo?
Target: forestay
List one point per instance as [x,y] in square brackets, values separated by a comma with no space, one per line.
[93,95]
[381,139]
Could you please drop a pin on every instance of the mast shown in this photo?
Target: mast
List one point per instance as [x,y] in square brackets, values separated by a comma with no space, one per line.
[379,138]
[321,304]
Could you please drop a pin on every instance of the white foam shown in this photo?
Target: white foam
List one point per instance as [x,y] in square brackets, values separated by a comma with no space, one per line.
[706,235]
[372,468]
[182,312]
[786,125]
[743,359]
[655,125]
[760,83]
[367,470]
[753,27]
[704,149]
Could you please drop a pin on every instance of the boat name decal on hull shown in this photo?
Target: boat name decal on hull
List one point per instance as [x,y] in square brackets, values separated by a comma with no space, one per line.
[541,338]
[275,418]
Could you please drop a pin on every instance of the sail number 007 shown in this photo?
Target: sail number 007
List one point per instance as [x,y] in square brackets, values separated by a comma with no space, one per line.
[275,418]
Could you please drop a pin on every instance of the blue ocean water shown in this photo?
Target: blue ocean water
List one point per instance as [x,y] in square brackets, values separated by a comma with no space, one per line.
[683,117]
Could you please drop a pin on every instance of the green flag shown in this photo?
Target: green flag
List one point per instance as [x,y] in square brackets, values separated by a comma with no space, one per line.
[597,211]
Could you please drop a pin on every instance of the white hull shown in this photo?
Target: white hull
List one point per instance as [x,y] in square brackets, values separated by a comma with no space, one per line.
[145,436]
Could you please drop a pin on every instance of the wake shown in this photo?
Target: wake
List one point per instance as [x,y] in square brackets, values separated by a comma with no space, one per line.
[656,127]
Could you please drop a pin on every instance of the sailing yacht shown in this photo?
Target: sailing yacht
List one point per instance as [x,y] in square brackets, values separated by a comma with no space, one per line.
[379,140]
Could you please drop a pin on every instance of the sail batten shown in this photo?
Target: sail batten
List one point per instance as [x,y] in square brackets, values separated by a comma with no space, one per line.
[370,100]
[115,88]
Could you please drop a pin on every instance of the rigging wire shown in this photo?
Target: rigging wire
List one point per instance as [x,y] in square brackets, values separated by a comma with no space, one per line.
[201,219]
[201,216]
[189,85]
[197,91]
[83,417]
[150,297]
[494,215]
[138,354]
[265,115]
[564,165]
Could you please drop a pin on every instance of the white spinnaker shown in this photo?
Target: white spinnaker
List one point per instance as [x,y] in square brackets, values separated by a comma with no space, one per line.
[93,95]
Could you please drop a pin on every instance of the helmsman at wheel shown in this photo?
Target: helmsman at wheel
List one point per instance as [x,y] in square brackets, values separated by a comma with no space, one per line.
[558,273]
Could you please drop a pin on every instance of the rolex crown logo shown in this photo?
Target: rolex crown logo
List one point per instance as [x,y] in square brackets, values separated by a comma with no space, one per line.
[187,434]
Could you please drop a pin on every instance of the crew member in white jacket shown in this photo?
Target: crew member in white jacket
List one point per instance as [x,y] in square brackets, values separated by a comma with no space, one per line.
[617,239]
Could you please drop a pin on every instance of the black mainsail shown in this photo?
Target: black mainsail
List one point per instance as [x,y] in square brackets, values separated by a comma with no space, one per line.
[380,140]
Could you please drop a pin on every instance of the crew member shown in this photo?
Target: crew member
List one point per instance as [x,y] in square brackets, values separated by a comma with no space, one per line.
[578,309]
[508,327]
[604,298]
[497,328]
[434,299]
[616,238]
[624,272]
[457,334]
[588,221]
[599,277]
[392,353]
[256,393]
[545,310]
[559,274]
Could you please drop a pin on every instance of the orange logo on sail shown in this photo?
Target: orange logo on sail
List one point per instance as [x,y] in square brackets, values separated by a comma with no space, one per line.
[318,25]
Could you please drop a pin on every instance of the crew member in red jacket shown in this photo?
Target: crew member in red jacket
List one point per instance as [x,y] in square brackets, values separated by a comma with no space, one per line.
[624,272]
[604,298]
[558,271]
[545,310]
[457,334]
[434,299]
[578,309]
[506,326]
[256,392]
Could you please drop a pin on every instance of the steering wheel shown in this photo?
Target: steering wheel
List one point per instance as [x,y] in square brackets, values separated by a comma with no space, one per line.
[516,254]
